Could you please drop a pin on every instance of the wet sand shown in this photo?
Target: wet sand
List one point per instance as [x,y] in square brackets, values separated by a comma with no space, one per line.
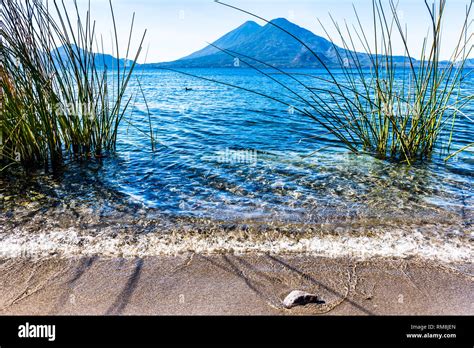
[228,284]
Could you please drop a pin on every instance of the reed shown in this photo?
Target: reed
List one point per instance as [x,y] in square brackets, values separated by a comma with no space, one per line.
[58,98]
[393,111]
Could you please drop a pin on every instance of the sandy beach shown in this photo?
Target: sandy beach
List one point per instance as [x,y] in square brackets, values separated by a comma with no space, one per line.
[230,284]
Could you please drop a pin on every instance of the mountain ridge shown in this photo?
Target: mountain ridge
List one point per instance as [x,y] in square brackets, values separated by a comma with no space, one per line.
[273,46]
[100,59]
[233,37]
[267,44]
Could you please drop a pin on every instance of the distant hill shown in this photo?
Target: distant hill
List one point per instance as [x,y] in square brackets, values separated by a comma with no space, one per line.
[266,43]
[101,60]
[236,37]
[271,45]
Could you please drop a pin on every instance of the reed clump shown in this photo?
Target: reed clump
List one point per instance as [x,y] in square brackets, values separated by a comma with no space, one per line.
[59,98]
[392,109]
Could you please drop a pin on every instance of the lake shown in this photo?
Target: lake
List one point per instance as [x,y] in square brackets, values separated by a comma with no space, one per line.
[229,153]
[232,157]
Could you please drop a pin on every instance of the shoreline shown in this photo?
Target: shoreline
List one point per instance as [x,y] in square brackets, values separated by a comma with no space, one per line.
[443,243]
[232,284]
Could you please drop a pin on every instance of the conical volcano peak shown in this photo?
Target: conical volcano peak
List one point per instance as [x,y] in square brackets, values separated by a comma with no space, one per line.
[250,25]
[281,21]
[272,44]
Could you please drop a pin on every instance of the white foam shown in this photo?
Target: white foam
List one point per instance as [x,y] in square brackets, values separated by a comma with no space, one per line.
[71,243]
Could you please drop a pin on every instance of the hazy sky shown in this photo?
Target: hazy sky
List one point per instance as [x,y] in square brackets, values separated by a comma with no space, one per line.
[177,28]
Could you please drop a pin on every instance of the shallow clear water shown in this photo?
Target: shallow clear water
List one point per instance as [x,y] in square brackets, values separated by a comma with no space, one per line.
[226,154]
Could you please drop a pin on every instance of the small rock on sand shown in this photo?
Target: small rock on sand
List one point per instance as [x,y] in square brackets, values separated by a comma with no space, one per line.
[300,298]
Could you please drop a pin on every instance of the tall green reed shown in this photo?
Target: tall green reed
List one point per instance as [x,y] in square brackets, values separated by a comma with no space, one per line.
[391,109]
[59,97]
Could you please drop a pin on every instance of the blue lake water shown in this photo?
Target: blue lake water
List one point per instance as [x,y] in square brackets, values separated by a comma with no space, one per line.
[229,154]
[226,154]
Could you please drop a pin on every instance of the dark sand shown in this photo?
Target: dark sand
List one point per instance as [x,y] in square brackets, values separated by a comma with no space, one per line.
[197,284]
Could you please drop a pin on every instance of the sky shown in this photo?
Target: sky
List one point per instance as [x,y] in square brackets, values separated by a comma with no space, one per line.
[176,28]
